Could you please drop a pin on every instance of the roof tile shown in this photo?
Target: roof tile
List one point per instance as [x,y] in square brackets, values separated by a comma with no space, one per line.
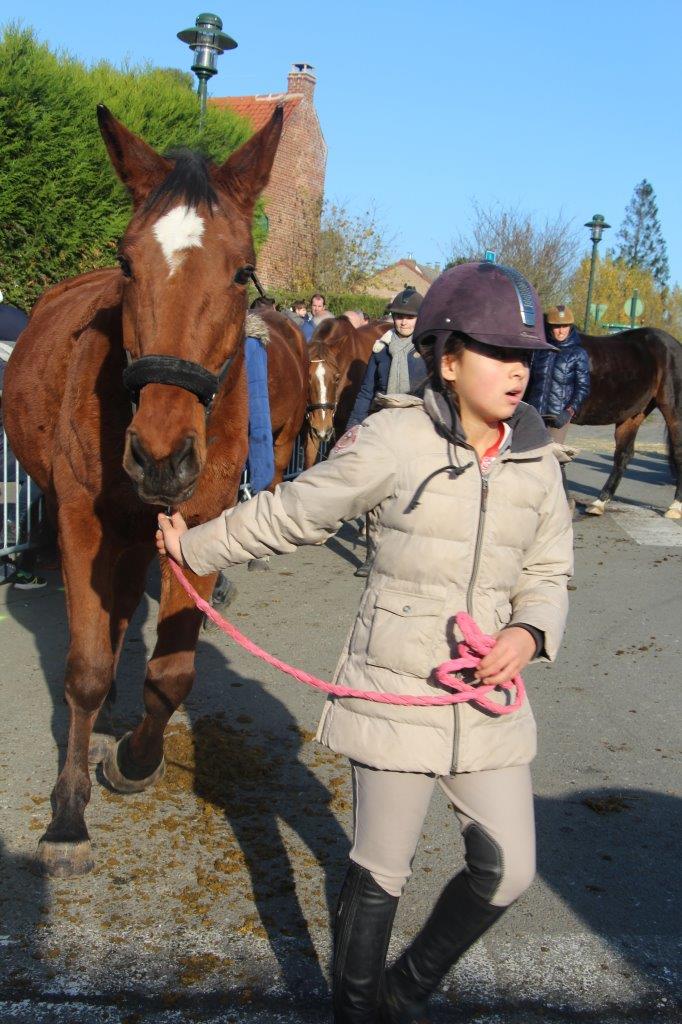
[258,109]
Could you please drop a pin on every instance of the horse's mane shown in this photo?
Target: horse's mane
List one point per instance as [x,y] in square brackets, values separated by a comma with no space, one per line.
[189,180]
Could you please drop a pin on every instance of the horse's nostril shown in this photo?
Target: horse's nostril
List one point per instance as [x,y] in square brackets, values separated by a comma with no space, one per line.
[182,461]
[137,451]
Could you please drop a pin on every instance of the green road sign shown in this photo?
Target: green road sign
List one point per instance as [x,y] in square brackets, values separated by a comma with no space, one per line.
[638,310]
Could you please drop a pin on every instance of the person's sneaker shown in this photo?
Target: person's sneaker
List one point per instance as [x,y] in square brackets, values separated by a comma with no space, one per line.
[27,580]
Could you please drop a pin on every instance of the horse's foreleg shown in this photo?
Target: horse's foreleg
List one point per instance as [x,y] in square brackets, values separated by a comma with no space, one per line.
[130,574]
[311,449]
[625,435]
[87,563]
[669,408]
[283,449]
[136,762]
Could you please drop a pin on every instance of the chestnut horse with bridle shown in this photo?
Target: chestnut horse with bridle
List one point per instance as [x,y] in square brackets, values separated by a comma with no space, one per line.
[165,330]
[339,353]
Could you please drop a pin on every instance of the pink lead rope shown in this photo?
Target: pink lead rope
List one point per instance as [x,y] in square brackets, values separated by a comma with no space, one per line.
[474,646]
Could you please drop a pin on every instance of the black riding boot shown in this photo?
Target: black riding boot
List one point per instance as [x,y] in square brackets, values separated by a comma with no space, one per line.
[362,930]
[457,920]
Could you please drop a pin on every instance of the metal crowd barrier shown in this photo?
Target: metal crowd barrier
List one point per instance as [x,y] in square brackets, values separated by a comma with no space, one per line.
[296,465]
[21,507]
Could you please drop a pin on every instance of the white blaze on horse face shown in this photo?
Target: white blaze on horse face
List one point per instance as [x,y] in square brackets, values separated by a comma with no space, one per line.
[178,230]
[320,374]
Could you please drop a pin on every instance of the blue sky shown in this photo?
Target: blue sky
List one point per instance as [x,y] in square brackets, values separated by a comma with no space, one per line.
[555,108]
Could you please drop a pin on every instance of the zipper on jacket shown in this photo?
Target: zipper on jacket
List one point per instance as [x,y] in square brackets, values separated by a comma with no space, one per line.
[479,537]
[483,507]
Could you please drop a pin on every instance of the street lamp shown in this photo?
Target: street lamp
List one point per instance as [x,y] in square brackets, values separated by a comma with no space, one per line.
[597,227]
[208,41]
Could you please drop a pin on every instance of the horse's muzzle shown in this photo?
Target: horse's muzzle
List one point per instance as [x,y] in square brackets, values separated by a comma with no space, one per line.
[324,435]
[167,481]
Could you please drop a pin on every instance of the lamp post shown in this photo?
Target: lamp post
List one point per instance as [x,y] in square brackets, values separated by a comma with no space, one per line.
[597,227]
[208,41]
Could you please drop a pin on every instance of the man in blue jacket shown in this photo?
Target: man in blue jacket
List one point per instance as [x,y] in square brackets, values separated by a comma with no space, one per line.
[560,380]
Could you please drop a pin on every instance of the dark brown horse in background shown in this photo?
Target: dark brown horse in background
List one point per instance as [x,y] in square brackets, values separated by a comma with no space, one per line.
[339,353]
[176,311]
[631,374]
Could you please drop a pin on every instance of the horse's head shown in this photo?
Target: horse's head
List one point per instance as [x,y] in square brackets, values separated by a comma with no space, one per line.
[185,257]
[323,389]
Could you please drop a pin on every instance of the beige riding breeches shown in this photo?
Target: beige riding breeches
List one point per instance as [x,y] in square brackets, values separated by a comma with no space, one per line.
[495,814]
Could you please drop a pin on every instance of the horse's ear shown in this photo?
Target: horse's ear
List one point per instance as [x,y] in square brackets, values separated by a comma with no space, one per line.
[139,167]
[245,174]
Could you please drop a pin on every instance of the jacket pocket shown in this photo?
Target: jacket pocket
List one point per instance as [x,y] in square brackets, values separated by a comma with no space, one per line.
[403,633]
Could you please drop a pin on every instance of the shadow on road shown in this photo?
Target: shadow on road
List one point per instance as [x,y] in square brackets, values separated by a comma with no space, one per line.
[612,856]
[23,901]
[247,764]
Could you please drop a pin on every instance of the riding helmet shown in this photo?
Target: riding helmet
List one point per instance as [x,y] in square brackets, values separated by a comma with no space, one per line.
[559,316]
[408,302]
[491,303]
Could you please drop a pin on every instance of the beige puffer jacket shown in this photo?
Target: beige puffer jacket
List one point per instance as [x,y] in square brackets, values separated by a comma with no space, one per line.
[499,548]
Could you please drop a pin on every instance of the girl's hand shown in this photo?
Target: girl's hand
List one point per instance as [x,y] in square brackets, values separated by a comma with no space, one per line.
[514,649]
[171,529]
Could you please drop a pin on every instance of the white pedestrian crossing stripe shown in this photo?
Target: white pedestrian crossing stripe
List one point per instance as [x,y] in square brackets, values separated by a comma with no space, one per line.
[646,526]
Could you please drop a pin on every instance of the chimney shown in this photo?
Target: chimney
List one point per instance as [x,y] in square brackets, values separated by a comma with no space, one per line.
[302,80]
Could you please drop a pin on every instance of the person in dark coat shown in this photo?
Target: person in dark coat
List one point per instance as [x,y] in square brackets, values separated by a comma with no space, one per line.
[395,367]
[12,322]
[560,381]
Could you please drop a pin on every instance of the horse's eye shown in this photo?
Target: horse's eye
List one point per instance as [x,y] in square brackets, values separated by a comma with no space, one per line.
[243,275]
[123,263]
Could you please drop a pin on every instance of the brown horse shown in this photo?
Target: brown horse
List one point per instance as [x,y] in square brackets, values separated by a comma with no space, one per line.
[631,374]
[339,354]
[176,311]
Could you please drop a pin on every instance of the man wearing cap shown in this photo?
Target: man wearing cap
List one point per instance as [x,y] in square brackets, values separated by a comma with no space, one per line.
[560,380]
[395,367]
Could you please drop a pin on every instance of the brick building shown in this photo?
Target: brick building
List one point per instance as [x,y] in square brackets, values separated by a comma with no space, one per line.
[294,193]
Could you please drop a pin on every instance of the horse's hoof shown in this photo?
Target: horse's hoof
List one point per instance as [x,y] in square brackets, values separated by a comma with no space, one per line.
[259,564]
[100,745]
[64,860]
[224,593]
[595,509]
[674,512]
[113,767]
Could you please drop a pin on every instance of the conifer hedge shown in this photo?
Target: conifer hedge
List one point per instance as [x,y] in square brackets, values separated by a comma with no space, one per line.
[62,209]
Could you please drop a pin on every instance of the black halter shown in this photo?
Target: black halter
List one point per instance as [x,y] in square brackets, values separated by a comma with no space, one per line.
[321,405]
[183,373]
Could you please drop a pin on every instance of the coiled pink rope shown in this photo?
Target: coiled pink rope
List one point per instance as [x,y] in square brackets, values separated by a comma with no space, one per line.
[474,646]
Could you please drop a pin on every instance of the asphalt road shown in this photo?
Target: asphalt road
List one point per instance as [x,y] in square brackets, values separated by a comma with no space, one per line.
[211,896]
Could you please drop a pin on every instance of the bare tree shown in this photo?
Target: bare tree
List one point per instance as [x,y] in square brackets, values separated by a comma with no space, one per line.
[350,249]
[545,253]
